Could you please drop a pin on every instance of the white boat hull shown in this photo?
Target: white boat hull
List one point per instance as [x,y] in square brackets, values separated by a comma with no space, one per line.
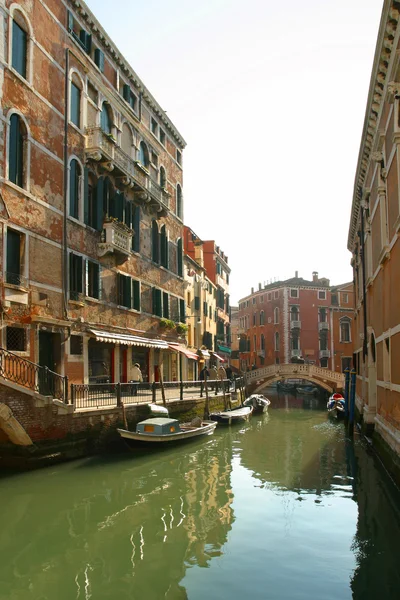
[207,428]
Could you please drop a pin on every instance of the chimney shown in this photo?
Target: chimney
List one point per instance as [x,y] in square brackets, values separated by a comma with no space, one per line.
[252,290]
[315,276]
[296,274]
[259,287]
[198,252]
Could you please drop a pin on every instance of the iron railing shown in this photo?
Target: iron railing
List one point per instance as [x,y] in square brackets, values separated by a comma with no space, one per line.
[32,376]
[101,395]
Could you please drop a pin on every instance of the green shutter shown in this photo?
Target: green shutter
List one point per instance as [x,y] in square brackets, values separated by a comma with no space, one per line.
[155,242]
[13,265]
[99,204]
[166,253]
[128,292]
[136,229]
[182,311]
[86,40]
[86,196]
[19,48]
[180,258]
[162,245]
[136,294]
[16,152]
[70,21]
[157,305]
[99,59]
[197,303]
[126,92]
[128,213]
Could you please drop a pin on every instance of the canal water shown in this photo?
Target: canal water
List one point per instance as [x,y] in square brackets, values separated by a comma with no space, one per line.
[282,507]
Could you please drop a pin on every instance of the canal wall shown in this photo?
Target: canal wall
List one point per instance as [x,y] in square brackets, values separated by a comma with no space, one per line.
[59,433]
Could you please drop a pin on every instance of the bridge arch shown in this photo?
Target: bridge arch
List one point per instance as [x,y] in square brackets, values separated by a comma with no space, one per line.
[318,382]
[331,381]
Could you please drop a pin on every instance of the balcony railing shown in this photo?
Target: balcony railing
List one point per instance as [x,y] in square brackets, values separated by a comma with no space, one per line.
[115,238]
[295,324]
[294,353]
[324,354]
[323,326]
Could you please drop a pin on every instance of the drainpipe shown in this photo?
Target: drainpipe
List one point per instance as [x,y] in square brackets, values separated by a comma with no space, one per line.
[65,207]
[362,254]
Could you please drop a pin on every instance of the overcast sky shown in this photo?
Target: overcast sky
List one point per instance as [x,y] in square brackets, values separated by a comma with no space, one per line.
[270,97]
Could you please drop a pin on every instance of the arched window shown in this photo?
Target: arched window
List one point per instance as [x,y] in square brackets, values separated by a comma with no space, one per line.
[262,342]
[155,242]
[143,154]
[136,229]
[254,319]
[262,318]
[75,174]
[75,100]
[164,247]
[17,166]
[21,45]
[180,257]
[179,201]
[276,315]
[163,178]
[345,331]
[277,342]
[294,313]
[127,139]
[106,122]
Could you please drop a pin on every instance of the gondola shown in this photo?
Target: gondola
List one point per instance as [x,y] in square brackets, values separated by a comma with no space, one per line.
[259,403]
[336,406]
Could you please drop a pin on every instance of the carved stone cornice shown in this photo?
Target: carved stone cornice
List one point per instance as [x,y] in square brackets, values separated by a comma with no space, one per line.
[376,156]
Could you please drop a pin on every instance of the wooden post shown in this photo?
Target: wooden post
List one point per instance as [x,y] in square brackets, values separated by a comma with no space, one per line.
[353,376]
[346,392]
[124,416]
[162,390]
[207,405]
[223,392]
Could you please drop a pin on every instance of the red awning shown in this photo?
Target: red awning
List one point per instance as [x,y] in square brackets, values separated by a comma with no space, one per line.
[188,353]
[218,356]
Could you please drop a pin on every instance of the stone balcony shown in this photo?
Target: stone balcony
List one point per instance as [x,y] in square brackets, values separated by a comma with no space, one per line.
[116,238]
[323,326]
[324,354]
[295,324]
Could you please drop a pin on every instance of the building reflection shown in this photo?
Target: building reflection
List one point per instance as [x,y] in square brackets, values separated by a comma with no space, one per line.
[127,529]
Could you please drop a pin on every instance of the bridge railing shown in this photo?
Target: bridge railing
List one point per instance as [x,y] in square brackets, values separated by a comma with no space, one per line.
[292,370]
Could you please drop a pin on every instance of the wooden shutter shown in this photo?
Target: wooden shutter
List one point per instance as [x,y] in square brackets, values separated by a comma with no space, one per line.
[70,21]
[99,204]
[136,229]
[197,302]
[163,236]
[126,92]
[165,306]
[182,311]
[136,294]
[86,196]
[13,265]
[155,242]
[180,258]
[99,59]
[16,152]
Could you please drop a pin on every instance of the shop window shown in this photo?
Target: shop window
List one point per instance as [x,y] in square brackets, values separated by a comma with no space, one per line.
[76,345]
[17,151]
[16,339]
[15,258]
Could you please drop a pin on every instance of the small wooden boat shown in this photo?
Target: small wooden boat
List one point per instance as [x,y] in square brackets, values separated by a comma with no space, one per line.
[307,390]
[259,403]
[235,415]
[336,406]
[162,429]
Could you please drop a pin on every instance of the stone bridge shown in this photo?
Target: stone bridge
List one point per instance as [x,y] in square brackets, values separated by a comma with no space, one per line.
[259,378]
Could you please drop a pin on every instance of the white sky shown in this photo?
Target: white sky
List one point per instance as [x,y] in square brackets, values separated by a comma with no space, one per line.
[270,97]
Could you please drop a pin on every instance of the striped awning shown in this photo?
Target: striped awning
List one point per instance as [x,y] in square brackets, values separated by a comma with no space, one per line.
[218,357]
[183,350]
[128,340]
[204,353]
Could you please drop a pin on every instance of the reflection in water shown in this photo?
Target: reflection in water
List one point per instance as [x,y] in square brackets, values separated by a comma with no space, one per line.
[282,507]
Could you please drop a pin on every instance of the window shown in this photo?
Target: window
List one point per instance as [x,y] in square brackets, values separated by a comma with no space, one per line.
[205,309]
[75,276]
[15,257]
[276,315]
[254,319]
[178,157]
[180,257]
[322,315]
[165,301]
[128,292]
[106,122]
[74,180]
[269,295]
[345,298]
[93,201]
[254,300]
[323,342]
[75,106]
[99,59]
[16,339]
[19,47]
[16,157]
[92,93]
[179,201]
[262,318]
[92,279]
[154,159]
[154,126]
[157,306]
[324,362]
[277,342]
[164,254]
[345,334]
[295,342]
[76,345]
[182,311]
[129,96]
[155,242]
[322,295]
[163,178]
[136,229]
[334,300]
[254,343]
[127,139]
[294,293]
[276,295]
[143,155]
[261,297]
[162,136]
[262,342]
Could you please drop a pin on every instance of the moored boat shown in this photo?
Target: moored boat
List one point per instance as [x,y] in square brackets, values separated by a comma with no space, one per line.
[336,406]
[235,415]
[159,430]
[259,403]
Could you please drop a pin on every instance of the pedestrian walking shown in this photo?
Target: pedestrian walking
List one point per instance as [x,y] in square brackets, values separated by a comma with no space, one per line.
[204,373]
[214,378]
[137,378]
[221,375]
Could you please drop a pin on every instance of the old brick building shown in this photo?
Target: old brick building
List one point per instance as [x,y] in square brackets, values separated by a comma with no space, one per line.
[297,319]
[374,241]
[91,202]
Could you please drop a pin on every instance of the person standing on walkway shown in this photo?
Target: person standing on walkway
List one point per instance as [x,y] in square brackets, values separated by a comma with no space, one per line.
[204,373]
[137,378]
[214,377]
[221,375]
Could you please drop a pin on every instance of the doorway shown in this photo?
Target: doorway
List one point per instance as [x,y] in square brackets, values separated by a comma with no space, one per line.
[50,350]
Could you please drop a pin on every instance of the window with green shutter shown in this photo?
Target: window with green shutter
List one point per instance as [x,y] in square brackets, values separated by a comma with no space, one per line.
[16,151]
[74,180]
[75,276]
[164,254]
[180,257]
[182,311]
[19,49]
[105,119]
[157,302]
[99,59]
[205,309]
[155,242]
[136,229]
[124,284]
[75,109]
[165,300]
[197,302]
[136,294]
[129,96]
[92,279]
[14,257]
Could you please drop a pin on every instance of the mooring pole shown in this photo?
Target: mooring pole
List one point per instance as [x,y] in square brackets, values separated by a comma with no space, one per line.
[353,376]
[207,405]
[346,392]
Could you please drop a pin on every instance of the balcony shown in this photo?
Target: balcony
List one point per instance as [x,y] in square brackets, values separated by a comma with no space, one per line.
[295,324]
[294,353]
[323,326]
[116,238]
[324,354]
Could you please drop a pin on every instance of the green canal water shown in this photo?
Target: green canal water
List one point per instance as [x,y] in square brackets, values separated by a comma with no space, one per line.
[283,507]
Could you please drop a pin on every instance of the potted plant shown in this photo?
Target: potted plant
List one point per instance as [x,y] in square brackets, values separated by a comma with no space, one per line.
[167,324]
[181,328]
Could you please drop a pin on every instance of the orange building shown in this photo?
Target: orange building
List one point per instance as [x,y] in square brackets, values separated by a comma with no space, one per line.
[374,242]
[292,320]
